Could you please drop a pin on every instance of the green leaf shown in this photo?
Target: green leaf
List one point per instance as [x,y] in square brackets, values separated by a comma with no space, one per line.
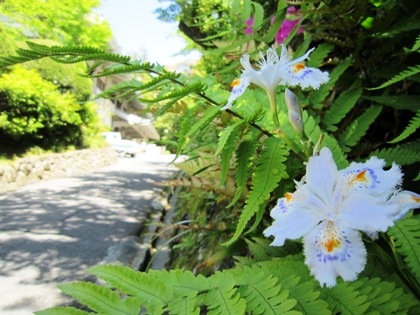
[152,293]
[314,133]
[407,240]
[269,171]
[223,297]
[319,54]
[413,125]
[384,297]
[62,310]
[345,299]
[403,154]
[244,154]
[358,127]
[409,102]
[411,71]
[96,297]
[184,305]
[262,292]
[227,153]
[317,97]
[341,106]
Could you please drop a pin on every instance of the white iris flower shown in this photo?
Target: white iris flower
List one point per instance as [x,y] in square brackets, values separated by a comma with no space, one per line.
[329,209]
[276,70]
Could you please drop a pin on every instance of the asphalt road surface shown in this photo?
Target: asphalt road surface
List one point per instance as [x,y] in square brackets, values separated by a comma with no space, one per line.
[52,231]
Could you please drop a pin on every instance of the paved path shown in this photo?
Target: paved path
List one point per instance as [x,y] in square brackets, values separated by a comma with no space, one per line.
[52,231]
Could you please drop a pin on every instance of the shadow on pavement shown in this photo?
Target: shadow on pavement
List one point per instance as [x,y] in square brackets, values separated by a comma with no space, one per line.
[51,232]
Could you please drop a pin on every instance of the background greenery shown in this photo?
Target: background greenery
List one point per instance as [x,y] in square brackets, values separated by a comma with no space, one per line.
[44,105]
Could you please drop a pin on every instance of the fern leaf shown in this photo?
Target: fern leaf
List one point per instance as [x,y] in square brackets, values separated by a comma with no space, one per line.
[407,240]
[341,106]
[358,128]
[223,297]
[411,71]
[96,297]
[269,171]
[244,153]
[319,54]
[294,277]
[384,297]
[227,153]
[413,125]
[62,310]
[262,292]
[184,305]
[416,46]
[317,97]
[314,132]
[409,102]
[152,293]
[184,282]
[125,69]
[64,54]
[345,299]
[197,126]
[225,135]
[405,154]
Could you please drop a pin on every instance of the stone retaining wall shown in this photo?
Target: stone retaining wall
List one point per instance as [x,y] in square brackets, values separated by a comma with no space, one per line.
[31,169]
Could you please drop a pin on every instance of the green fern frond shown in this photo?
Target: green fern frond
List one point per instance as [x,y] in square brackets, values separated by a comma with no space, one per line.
[208,116]
[227,153]
[314,133]
[341,106]
[177,93]
[294,277]
[125,69]
[403,154]
[409,102]
[269,171]
[184,305]
[413,125]
[98,298]
[411,71]
[317,97]
[150,292]
[62,310]
[358,127]
[244,154]
[223,297]
[384,297]
[416,46]
[407,241]
[225,135]
[262,292]
[345,299]
[63,54]
[184,282]
[319,54]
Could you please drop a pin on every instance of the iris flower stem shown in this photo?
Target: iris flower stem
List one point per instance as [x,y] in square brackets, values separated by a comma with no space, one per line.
[282,135]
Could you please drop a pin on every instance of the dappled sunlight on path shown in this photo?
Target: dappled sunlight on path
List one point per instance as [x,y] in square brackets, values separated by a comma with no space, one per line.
[52,231]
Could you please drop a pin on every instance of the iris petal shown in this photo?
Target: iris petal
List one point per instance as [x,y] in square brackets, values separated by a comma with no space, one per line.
[332,251]
[321,175]
[371,177]
[366,213]
[293,225]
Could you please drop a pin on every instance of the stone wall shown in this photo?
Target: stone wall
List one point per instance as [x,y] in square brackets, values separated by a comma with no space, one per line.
[31,169]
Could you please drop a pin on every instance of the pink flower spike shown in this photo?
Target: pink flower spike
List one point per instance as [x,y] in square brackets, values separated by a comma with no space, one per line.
[288,25]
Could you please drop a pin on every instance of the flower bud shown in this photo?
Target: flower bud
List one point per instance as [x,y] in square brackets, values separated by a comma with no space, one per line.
[295,113]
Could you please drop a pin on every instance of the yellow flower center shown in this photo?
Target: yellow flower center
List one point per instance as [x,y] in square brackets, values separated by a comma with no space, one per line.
[331,240]
[288,196]
[298,67]
[235,82]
